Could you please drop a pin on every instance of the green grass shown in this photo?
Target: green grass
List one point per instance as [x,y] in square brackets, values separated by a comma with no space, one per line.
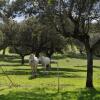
[72,71]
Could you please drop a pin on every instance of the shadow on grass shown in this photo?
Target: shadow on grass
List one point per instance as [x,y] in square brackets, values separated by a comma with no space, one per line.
[32,95]
[89,94]
[86,66]
[42,94]
[56,69]
[11,59]
[68,70]
[13,65]
[82,94]
[63,72]
[8,57]
[16,72]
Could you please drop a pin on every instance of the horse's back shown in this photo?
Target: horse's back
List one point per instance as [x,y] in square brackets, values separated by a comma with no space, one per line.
[44,60]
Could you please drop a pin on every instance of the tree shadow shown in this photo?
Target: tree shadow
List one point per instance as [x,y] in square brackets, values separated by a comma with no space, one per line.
[8,57]
[11,59]
[43,94]
[13,65]
[55,69]
[82,94]
[89,94]
[63,72]
[85,66]
[36,94]
[68,69]
[12,72]
[61,75]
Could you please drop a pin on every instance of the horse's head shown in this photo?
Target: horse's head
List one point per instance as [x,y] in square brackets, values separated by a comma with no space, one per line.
[32,56]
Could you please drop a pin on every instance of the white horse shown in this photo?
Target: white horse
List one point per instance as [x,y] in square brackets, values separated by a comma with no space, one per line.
[33,61]
[45,61]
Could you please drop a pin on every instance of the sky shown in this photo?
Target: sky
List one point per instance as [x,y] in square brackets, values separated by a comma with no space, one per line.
[19,19]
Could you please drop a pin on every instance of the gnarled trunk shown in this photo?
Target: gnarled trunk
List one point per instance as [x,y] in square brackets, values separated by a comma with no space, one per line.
[22,60]
[37,54]
[4,51]
[89,80]
[49,53]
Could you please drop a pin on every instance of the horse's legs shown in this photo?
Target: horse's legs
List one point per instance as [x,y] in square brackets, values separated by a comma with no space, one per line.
[45,69]
[43,65]
[33,70]
[48,67]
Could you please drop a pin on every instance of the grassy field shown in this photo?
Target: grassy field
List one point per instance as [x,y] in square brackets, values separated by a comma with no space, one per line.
[72,71]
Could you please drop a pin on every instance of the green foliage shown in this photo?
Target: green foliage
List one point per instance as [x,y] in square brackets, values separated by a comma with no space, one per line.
[2,41]
[51,1]
[1,38]
[95,28]
[10,30]
[97,49]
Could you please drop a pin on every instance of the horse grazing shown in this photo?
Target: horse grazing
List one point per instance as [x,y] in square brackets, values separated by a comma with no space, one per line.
[33,61]
[46,62]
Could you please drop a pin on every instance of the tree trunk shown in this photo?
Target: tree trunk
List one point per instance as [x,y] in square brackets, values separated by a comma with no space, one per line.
[22,60]
[4,51]
[37,54]
[89,80]
[81,52]
[49,53]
